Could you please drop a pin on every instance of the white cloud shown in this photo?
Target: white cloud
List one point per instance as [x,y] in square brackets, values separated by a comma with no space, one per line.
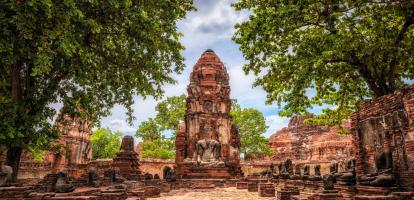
[275,123]
[211,26]
[214,20]
[121,125]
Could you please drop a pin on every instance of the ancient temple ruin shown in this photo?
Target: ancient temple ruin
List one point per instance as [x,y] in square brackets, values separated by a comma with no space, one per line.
[75,152]
[309,144]
[208,144]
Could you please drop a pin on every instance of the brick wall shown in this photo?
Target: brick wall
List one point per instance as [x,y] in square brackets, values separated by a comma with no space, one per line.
[386,122]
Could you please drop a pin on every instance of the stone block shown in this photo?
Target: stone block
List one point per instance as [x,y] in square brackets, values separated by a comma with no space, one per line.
[152,191]
[252,187]
[283,195]
[266,190]
[241,185]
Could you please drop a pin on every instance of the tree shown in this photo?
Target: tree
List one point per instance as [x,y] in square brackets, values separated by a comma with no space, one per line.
[105,143]
[163,148]
[251,124]
[327,53]
[170,112]
[84,54]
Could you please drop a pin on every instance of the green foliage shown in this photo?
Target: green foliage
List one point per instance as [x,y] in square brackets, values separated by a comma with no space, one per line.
[37,154]
[251,124]
[84,54]
[343,51]
[163,148]
[170,112]
[105,143]
[148,130]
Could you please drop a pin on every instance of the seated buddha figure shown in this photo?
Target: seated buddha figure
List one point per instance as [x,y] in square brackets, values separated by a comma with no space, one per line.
[317,174]
[384,176]
[298,174]
[348,176]
[306,172]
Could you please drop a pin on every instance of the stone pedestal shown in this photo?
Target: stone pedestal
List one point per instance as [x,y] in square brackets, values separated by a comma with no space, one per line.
[328,195]
[347,191]
[191,170]
[266,190]
[372,191]
[283,194]
[377,193]
[252,187]
[241,185]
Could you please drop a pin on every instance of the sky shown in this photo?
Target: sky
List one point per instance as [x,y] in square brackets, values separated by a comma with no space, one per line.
[210,27]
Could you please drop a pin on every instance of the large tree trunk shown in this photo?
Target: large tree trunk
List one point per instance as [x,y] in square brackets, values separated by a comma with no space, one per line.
[13,159]
[14,152]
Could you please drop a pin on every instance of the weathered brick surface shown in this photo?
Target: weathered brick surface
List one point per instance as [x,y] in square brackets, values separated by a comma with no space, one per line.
[266,190]
[75,140]
[208,118]
[241,185]
[252,187]
[389,121]
[310,144]
[127,158]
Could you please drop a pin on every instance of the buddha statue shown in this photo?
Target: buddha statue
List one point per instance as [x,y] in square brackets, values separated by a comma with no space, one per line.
[273,170]
[306,172]
[348,176]
[283,173]
[298,174]
[328,182]
[62,184]
[93,177]
[384,176]
[333,169]
[208,150]
[5,175]
[317,174]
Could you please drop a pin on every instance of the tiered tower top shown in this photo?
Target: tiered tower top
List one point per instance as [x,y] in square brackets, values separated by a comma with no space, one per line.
[209,71]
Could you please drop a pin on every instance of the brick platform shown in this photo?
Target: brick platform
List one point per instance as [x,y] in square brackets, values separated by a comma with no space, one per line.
[266,190]
[252,187]
[241,185]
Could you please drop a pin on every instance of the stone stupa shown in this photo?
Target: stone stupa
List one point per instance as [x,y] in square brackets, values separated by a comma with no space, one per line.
[207,143]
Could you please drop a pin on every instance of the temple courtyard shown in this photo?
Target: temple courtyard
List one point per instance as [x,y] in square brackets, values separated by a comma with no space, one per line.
[372,161]
[212,194]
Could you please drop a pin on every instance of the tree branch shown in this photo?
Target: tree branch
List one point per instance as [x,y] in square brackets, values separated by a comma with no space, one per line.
[397,44]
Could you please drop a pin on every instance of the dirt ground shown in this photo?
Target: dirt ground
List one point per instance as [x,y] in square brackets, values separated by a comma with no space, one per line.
[213,194]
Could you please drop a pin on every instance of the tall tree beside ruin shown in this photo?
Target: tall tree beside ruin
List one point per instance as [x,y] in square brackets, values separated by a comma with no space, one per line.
[105,143]
[170,112]
[87,54]
[331,53]
[252,125]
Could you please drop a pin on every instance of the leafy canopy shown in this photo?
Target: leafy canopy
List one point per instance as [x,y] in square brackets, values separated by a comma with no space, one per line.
[105,143]
[84,54]
[170,112]
[327,53]
[163,148]
[251,124]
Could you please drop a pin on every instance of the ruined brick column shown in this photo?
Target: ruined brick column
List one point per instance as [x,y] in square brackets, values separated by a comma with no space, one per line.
[207,136]
[127,159]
